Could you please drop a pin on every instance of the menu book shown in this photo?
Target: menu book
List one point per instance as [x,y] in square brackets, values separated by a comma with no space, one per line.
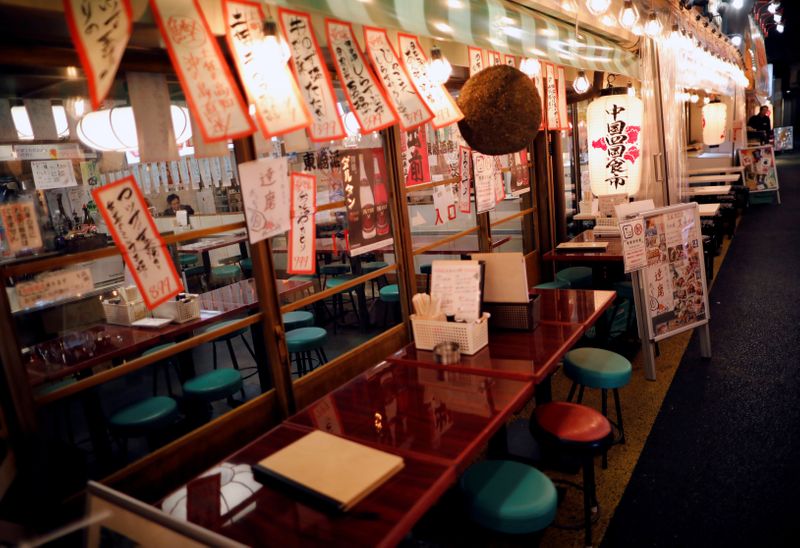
[328,471]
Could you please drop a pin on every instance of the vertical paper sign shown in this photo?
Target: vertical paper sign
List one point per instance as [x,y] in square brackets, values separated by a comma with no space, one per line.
[412,111]
[550,100]
[464,204]
[313,76]
[152,111]
[53,174]
[21,226]
[511,61]
[493,58]
[365,97]
[499,182]
[563,114]
[265,75]
[128,219]
[538,81]
[414,149]
[634,250]
[445,110]
[476,60]
[443,204]
[100,31]
[266,197]
[174,174]
[302,235]
[207,83]
[485,181]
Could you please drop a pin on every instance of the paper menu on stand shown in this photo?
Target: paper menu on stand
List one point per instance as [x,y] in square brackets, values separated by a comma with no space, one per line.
[506,280]
[457,285]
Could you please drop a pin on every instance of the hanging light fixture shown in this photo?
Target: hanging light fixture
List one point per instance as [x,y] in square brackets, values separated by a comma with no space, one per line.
[779,28]
[631,90]
[628,15]
[694,98]
[598,7]
[715,122]
[581,84]
[736,40]
[275,48]
[773,7]
[653,26]
[531,67]
[778,17]
[569,6]
[22,122]
[439,69]
[737,4]
[114,129]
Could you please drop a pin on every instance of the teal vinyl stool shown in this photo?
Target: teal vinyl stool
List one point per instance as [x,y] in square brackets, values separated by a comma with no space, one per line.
[302,278]
[332,269]
[509,497]
[390,296]
[578,277]
[555,284]
[372,266]
[297,319]
[246,265]
[162,366]
[215,385]
[187,260]
[427,269]
[228,340]
[195,274]
[624,291]
[301,342]
[144,418]
[338,299]
[225,274]
[603,369]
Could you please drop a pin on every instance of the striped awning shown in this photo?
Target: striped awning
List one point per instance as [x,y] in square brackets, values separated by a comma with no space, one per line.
[490,24]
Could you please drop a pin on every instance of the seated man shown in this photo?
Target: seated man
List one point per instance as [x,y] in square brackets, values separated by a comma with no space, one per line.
[759,127]
[174,202]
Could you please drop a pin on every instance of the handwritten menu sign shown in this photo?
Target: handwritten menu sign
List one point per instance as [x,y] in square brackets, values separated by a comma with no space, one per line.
[443,204]
[312,74]
[457,284]
[445,109]
[675,283]
[54,286]
[125,212]
[499,183]
[563,113]
[486,175]
[265,195]
[464,177]
[494,58]
[550,98]
[53,174]
[100,30]
[207,83]
[302,234]
[269,82]
[408,104]
[365,97]
[634,251]
[21,226]
[414,149]
[476,60]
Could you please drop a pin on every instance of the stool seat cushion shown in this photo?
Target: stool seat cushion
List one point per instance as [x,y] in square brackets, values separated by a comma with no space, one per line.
[187,260]
[225,271]
[366,268]
[426,269]
[572,422]
[195,271]
[335,268]
[303,278]
[509,497]
[214,385]
[305,338]
[246,264]
[298,318]
[221,325]
[597,368]
[145,415]
[578,277]
[555,284]
[390,293]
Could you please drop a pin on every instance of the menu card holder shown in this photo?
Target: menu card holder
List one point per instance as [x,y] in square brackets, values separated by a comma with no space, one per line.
[326,471]
[518,316]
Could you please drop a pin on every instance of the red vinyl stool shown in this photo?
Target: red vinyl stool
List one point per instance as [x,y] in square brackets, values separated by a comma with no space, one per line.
[579,431]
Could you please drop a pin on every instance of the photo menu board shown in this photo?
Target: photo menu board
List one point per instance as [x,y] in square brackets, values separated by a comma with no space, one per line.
[674,278]
[760,173]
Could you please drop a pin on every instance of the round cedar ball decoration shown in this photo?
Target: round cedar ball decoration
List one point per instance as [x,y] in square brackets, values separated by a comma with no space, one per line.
[502,110]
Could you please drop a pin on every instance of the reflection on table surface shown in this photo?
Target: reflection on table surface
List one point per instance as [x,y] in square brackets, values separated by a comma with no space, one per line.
[613,253]
[572,305]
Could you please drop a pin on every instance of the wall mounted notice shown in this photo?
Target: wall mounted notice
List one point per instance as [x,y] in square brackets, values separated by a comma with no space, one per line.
[53,174]
[21,226]
[486,175]
[634,251]
[464,178]
[265,195]
[128,219]
[476,60]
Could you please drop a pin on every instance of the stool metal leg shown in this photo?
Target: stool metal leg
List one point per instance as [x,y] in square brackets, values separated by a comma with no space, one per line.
[234,361]
[588,498]
[572,391]
[580,394]
[604,404]
[618,407]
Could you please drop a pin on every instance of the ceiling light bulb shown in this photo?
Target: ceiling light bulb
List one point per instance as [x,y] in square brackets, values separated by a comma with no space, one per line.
[737,4]
[79,107]
[653,26]
[631,90]
[598,7]
[275,47]
[439,69]
[778,17]
[569,6]
[628,15]
[773,7]
[694,98]
[736,40]
[779,27]
[530,67]
[581,84]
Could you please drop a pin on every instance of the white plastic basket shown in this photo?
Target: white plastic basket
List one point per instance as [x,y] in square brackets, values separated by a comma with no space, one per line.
[179,311]
[124,314]
[470,337]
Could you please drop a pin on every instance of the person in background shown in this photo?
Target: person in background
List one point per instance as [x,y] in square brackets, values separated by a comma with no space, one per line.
[174,203]
[759,127]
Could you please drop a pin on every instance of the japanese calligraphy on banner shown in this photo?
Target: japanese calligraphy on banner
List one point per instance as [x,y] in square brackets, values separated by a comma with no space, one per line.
[445,109]
[100,31]
[476,60]
[563,114]
[367,201]
[511,61]
[538,81]
[486,175]
[464,177]
[302,234]
[614,123]
[550,99]
[499,183]
[365,97]
[443,204]
[266,197]
[128,219]
[519,173]
[402,93]
[205,78]
[54,286]
[21,226]
[493,58]
[414,149]
[266,77]
[312,74]
[53,174]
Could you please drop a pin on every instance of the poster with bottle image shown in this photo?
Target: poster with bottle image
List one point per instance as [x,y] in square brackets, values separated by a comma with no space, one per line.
[367,200]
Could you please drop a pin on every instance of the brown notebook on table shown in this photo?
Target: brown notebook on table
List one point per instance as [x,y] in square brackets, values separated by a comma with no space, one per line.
[328,471]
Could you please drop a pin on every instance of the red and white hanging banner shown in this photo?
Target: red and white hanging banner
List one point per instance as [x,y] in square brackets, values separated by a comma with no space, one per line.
[511,61]
[402,93]
[550,99]
[477,61]
[443,204]
[207,82]
[266,77]
[494,58]
[302,234]
[266,197]
[100,31]
[445,109]
[125,212]
[365,96]
[563,114]
[312,74]
[464,178]
[538,81]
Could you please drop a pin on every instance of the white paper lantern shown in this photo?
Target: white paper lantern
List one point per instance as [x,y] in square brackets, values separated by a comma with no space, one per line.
[715,123]
[614,122]
[114,129]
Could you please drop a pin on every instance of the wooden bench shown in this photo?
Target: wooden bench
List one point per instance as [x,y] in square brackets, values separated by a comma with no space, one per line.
[711,190]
